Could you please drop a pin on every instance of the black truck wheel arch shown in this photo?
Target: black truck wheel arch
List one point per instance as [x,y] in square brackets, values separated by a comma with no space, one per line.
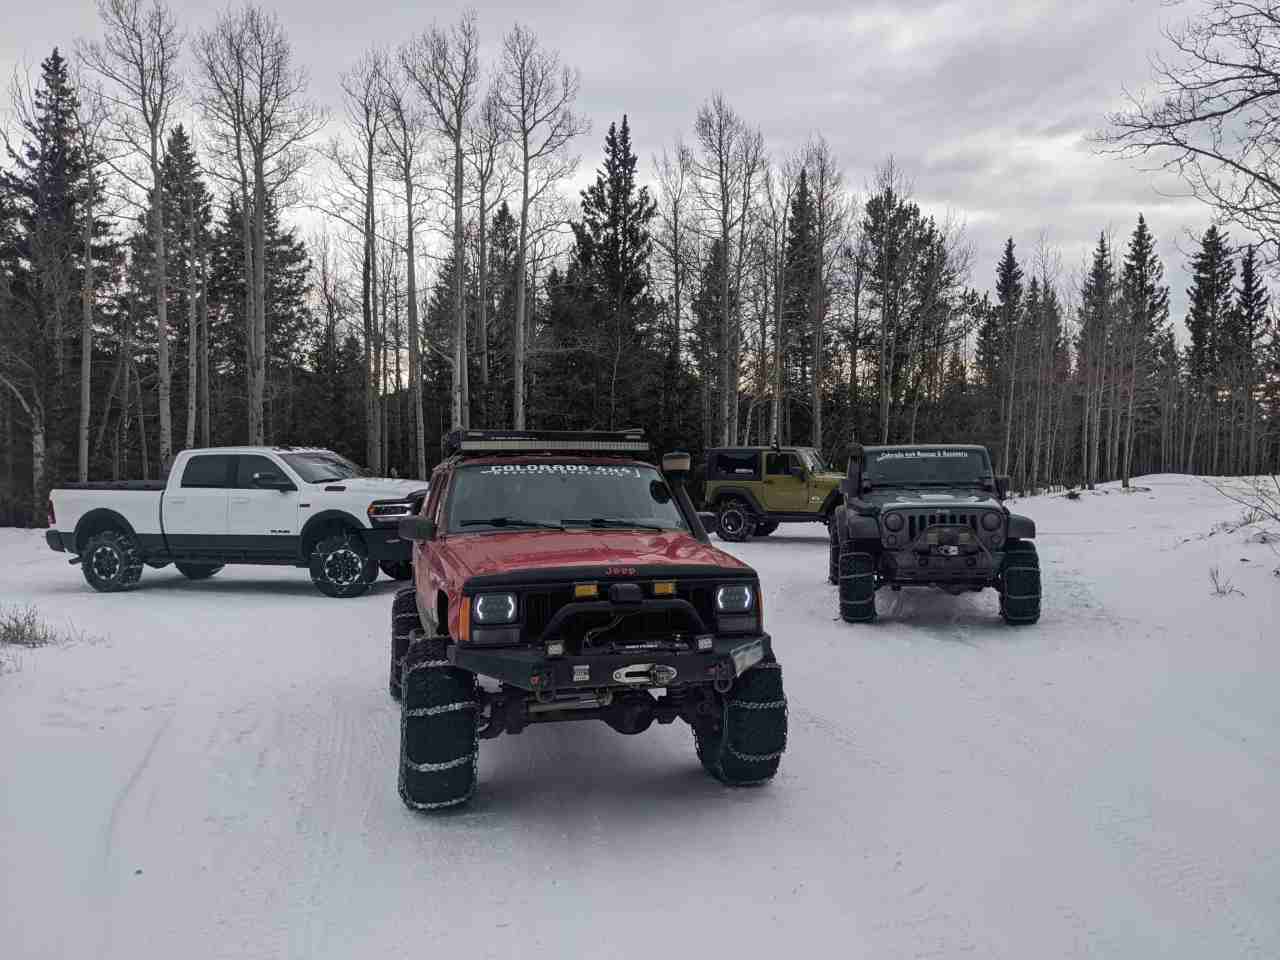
[1021,528]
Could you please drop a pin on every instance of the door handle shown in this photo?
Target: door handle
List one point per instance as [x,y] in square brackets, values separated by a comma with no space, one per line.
[178,500]
[239,499]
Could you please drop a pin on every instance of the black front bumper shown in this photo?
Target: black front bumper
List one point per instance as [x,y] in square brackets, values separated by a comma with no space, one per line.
[906,567]
[61,542]
[385,546]
[531,669]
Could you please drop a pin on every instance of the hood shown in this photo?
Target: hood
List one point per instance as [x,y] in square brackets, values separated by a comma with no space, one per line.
[931,498]
[491,553]
[379,488]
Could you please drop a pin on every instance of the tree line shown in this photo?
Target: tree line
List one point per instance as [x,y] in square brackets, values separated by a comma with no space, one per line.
[154,296]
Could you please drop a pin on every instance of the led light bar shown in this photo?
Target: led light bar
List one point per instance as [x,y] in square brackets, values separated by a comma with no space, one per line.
[546,441]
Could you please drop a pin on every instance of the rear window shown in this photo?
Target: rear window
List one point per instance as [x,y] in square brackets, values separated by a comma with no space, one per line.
[209,470]
[736,464]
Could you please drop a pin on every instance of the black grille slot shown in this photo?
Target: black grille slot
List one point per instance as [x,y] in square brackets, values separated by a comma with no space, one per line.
[917,523]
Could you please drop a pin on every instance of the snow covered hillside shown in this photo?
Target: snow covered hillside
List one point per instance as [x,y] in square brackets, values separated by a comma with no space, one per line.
[212,773]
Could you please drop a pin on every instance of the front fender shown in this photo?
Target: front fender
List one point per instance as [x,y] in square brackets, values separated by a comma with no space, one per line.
[1021,528]
[855,526]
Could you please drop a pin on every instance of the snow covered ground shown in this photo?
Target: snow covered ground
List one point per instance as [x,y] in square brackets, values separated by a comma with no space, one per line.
[212,773]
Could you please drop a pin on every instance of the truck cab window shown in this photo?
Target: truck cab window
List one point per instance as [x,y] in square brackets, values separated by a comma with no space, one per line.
[209,470]
[248,465]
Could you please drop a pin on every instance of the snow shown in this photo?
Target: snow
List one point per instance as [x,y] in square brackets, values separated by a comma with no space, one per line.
[211,773]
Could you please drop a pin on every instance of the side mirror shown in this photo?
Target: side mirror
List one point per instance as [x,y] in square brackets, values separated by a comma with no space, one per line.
[851,486]
[676,466]
[272,481]
[417,528]
[1002,487]
[710,521]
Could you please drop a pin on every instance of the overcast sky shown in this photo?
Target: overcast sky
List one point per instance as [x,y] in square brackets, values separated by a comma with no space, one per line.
[985,106]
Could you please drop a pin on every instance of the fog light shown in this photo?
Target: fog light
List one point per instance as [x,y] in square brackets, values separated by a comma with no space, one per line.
[555,648]
[891,539]
[666,588]
[704,643]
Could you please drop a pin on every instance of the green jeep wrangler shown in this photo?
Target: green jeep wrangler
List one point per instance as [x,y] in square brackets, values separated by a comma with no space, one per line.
[753,489]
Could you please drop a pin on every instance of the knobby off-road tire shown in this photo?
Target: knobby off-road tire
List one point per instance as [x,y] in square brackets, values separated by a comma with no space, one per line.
[404,621]
[1020,583]
[341,566]
[857,585]
[744,745]
[110,562]
[764,528]
[438,742]
[833,549]
[735,522]
[198,571]
[397,570]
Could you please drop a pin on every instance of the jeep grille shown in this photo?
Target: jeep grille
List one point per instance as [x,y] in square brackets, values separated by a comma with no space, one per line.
[918,521]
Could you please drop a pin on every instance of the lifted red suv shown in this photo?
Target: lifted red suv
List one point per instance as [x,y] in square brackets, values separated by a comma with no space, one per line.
[558,577]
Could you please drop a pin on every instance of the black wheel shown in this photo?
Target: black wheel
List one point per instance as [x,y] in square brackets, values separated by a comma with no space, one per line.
[341,566]
[736,521]
[404,621]
[833,540]
[766,527]
[857,585]
[744,744]
[438,743]
[1020,583]
[397,569]
[110,561]
[198,571]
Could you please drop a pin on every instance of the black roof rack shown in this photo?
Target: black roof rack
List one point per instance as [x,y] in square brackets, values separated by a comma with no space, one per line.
[491,442]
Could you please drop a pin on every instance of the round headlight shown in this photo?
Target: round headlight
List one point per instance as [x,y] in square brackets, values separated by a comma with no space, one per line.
[735,598]
[992,520]
[893,521]
[492,608]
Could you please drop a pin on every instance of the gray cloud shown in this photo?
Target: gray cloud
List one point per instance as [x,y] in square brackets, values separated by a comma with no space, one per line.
[986,106]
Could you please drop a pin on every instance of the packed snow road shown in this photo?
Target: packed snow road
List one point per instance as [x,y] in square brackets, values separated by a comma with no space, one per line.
[211,773]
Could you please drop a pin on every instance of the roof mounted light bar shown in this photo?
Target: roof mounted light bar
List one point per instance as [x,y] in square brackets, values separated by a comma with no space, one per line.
[545,441]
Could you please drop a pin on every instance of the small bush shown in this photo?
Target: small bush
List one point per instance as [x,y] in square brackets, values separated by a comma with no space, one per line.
[1222,586]
[22,627]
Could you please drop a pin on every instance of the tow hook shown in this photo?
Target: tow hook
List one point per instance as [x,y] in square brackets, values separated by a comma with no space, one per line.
[74,561]
[544,685]
[723,677]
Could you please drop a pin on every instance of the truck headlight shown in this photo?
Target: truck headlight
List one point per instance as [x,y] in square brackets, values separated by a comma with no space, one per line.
[494,608]
[991,520]
[893,521]
[389,511]
[734,598]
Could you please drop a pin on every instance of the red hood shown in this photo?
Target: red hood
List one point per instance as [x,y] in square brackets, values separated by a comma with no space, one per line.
[490,553]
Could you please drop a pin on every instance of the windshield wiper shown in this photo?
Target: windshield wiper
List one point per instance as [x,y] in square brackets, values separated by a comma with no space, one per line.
[511,522]
[602,523]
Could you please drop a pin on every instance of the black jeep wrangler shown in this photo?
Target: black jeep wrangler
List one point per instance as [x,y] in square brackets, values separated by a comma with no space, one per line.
[930,515]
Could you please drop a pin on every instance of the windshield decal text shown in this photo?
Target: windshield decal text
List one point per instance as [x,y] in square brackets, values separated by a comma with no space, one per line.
[922,455]
[560,470]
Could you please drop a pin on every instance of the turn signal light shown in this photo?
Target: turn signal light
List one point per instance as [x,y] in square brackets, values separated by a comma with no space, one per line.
[585,591]
[664,588]
[464,620]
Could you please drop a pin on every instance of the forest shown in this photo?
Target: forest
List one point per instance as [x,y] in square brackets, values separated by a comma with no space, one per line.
[158,290]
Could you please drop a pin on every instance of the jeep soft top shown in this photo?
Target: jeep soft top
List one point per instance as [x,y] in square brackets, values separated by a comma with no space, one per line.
[559,576]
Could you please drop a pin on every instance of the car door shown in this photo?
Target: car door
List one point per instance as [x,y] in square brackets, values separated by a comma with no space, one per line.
[784,492]
[262,523]
[194,514]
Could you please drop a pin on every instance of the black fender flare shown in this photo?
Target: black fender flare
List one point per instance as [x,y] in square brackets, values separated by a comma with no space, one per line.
[724,492]
[100,518]
[834,499]
[1021,528]
[325,518]
[857,526]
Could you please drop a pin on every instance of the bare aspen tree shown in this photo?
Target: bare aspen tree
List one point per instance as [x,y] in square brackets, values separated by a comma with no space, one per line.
[730,158]
[89,132]
[254,99]
[536,96]
[404,145]
[445,66]
[675,243]
[486,139]
[778,189]
[831,221]
[365,109]
[138,57]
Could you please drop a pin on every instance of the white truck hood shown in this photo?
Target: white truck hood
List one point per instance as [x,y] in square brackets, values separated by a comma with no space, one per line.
[378,488]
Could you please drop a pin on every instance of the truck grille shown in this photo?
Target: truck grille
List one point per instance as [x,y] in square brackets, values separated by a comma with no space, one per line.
[917,522]
[541,604]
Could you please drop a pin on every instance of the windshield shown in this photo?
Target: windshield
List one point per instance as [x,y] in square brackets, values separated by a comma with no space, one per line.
[813,460]
[937,466]
[322,466]
[532,495]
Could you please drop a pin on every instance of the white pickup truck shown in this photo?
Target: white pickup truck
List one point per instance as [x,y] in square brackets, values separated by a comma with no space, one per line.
[266,505]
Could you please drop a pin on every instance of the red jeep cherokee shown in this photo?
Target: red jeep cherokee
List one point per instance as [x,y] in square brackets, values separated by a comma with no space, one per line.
[559,577]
